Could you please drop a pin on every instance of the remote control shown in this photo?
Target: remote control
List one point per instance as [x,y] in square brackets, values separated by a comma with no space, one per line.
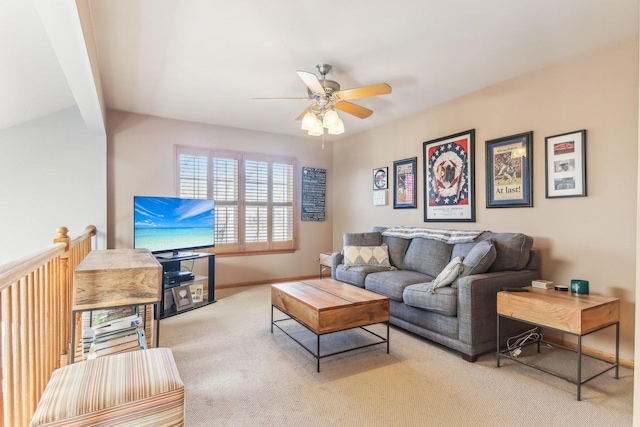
[515,289]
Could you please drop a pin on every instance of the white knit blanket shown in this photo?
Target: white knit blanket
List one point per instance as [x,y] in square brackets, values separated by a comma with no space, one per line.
[444,235]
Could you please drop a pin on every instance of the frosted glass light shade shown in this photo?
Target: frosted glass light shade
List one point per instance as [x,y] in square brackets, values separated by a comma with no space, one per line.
[330,119]
[338,128]
[308,121]
[317,129]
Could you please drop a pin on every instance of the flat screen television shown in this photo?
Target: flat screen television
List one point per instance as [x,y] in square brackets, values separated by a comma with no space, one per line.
[172,225]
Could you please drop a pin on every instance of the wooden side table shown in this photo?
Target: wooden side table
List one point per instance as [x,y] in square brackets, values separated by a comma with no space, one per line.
[113,278]
[577,315]
[325,262]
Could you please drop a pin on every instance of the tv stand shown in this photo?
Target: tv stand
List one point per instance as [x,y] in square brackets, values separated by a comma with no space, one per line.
[172,263]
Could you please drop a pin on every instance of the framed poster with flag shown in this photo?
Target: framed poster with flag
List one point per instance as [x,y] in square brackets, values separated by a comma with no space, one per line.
[449,178]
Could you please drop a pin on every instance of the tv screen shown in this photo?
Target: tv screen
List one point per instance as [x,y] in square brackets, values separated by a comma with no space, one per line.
[171,224]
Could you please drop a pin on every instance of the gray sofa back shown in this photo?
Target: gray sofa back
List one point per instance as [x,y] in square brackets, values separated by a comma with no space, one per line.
[431,256]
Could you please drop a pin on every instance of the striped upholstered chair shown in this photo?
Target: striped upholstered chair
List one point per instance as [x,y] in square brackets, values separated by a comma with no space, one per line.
[138,388]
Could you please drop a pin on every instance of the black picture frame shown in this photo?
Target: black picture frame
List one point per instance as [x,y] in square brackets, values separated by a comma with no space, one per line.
[405,183]
[565,158]
[449,178]
[182,297]
[509,171]
[381,178]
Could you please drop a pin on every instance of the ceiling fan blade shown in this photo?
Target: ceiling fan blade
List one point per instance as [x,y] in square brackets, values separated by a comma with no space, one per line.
[312,82]
[315,107]
[353,109]
[306,98]
[364,91]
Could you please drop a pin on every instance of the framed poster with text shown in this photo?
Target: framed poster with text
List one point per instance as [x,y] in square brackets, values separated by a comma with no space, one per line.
[449,183]
[404,183]
[509,168]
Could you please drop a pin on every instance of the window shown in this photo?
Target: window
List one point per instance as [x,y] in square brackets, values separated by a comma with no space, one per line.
[254,197]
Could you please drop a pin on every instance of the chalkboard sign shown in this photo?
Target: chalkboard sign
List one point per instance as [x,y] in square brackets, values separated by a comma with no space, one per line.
[314,183]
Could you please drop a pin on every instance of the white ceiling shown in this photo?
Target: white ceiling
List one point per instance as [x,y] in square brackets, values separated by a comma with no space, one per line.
[205,61]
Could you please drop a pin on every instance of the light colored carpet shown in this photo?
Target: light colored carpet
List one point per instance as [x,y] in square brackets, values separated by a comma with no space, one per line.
[237,373]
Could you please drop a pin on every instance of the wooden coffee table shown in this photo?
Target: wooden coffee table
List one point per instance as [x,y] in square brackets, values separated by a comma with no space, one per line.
[325,305]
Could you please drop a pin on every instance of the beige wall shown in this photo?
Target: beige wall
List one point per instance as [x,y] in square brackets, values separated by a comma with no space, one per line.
[591,238]
[141,162]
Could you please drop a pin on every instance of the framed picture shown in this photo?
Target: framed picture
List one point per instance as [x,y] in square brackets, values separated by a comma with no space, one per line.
[566,165]
[196,292]
[510,171]
[449,183]
[404,183]
[380,178]
[182,297]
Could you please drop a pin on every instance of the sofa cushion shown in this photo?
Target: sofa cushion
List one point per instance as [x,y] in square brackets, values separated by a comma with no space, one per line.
[392,283]
[373,238]
[376,256]
[356,275]
[441,300]
[448,274]
[427,256]
[397,250]
[512,250]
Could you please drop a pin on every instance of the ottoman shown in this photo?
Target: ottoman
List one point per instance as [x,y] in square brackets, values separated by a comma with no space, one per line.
[137,388]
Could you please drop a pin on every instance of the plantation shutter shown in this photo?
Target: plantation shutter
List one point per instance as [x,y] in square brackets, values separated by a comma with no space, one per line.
[225,193]
[193,176]
[282,208]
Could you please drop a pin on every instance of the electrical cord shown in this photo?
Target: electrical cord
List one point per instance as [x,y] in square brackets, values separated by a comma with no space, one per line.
[515,344]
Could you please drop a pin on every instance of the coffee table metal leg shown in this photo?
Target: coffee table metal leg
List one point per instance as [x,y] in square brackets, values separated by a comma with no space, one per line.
[318,353]
[387,337]
[272,319]
[579,364]
[498,341]
[617,349]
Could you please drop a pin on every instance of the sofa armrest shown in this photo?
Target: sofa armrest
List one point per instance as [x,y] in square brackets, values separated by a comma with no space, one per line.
[477,302]
[336,260]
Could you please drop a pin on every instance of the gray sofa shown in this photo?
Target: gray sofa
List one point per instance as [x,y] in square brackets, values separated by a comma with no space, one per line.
[461,315]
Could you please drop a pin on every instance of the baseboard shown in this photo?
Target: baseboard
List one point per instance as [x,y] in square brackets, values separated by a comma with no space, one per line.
[591,352]
[266,282]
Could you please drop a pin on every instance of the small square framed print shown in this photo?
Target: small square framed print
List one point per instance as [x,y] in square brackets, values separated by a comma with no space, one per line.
[380,181]
[566,165]
[182,297]
[196,292]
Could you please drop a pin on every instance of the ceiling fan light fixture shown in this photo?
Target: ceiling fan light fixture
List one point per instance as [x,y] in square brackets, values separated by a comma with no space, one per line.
[330,119]
[338,128]
[308,121]
[317,129]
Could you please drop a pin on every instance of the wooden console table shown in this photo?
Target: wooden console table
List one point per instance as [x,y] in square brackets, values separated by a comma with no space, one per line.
[577,315]
[116,278]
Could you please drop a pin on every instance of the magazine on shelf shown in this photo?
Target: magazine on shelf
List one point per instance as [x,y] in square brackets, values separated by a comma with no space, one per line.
[113,335]
[132,345]
[100,317]
[117,326]
[99,345]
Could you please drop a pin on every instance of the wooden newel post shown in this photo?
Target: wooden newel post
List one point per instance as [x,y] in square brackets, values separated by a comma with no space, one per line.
[65,283]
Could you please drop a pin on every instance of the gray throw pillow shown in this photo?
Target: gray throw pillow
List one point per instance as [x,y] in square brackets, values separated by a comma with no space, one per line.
[479,258]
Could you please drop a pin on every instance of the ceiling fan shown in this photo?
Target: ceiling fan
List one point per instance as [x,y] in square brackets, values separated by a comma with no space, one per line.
[328,97]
